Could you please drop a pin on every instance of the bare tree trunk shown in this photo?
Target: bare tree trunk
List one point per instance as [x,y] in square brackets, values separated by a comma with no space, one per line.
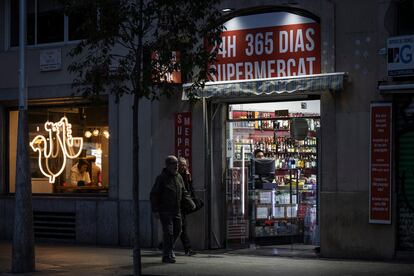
[23,252]
[23,256]
[135,153]
[135,189]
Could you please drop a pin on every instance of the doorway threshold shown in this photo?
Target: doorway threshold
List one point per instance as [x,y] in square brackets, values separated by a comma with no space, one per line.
[286,250]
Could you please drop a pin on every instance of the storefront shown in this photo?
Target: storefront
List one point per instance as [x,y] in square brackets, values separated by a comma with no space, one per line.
[80,168]
[272,173]
[269,88]
[62,137]
[398,90]
[275,63]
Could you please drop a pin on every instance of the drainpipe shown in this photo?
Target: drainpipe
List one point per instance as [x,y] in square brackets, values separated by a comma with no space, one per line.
[207,187]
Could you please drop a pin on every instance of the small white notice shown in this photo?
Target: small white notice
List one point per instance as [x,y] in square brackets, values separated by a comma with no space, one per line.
[50,60]
[229,146]
[265,197]
[262,213]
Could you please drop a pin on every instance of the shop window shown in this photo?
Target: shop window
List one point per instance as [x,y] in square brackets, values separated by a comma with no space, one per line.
[69,149]
[272,171]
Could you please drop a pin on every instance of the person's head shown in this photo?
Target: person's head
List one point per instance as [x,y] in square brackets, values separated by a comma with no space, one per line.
[259,154]
[171,164]
[182,165]
[82,165]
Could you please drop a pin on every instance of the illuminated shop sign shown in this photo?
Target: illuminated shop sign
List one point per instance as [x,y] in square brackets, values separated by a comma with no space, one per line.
[400,56]
[58,145]
[277,44]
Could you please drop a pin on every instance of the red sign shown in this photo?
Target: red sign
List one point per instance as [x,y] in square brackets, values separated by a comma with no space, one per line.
[269,45]
[380,163]
[183,136]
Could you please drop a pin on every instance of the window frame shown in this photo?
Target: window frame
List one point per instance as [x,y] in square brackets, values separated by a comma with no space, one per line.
[7,25]
[6,188]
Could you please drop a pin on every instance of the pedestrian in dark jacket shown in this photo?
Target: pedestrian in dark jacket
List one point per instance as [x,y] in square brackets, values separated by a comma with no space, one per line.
[188,183]
[167,196]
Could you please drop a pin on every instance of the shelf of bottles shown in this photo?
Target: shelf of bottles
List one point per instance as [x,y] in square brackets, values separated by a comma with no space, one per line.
[289,208]
[246,144]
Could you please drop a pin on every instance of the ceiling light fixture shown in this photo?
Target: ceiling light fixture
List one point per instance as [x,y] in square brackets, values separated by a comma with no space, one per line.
[227,10]
[88,134]
[105,134]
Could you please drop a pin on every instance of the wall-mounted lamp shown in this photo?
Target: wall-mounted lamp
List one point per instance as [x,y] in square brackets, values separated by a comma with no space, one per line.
[95,132]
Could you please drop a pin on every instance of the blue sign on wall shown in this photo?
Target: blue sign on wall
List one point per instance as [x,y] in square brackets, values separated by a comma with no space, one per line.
[401,56]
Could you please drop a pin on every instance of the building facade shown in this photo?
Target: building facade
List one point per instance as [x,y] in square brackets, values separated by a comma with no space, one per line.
[335,59]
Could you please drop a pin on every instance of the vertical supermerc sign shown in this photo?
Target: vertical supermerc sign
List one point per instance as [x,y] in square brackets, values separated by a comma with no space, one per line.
[380,189]
[183,136]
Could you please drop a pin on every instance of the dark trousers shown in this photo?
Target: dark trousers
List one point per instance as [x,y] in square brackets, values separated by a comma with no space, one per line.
[171,228]
[184,235]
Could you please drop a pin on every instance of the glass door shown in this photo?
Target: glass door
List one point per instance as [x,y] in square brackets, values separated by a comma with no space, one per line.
[239,153]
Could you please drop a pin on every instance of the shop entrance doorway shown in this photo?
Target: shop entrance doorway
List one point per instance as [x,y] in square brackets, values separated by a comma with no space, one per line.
[272,174]
[405,171]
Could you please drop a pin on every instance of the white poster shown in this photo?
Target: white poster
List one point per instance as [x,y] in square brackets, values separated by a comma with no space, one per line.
[265,197]
[262,213]
[50,60]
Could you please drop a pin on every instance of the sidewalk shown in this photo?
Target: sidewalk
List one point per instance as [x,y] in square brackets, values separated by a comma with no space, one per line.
[86,260]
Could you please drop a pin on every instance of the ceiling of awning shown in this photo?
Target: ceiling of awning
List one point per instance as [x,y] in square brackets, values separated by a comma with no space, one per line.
[269,86]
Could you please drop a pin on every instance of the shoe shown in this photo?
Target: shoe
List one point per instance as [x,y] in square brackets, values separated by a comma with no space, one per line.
[168,260]
[189,252]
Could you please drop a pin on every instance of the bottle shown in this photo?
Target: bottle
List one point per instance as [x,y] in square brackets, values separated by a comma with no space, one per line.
[307,163]
[313,163]
[261,144]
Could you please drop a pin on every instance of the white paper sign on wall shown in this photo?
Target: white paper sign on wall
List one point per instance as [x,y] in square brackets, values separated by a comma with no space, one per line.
[50,60]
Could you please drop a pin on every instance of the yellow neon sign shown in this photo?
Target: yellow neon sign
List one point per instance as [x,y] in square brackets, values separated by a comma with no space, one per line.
[60,139]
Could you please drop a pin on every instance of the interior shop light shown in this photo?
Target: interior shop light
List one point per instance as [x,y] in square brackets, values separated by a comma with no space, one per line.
[105,134]
[227,10]
[88,134]
[60,140]
[95,132]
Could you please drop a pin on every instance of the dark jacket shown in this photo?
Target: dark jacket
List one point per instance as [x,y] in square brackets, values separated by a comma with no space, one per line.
[168,193]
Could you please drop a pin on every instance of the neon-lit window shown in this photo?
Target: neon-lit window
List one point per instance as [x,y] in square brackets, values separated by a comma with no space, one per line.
[69,149]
